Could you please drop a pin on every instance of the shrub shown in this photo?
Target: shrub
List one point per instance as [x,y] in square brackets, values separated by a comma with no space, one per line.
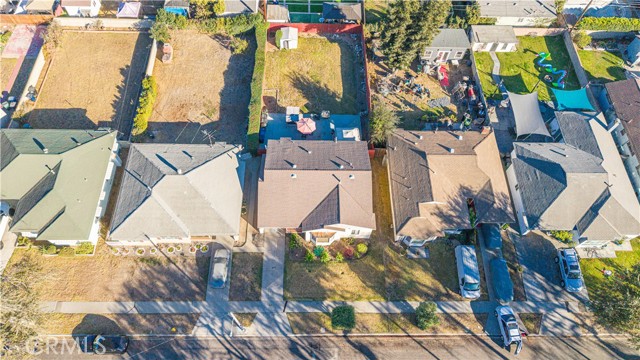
[293,241]
[348,253]
[609,23]
[426,316]
[67,251]
[339,257]
[562,235]
[255,104]
[171,249]
[50,249]
[85,248]
[238,45]
[309,257]
[152,261]
[204,249]
[361,249]
[582,39]
[318,251]
[52,37]
[325,257]
[145,105]
[23,241]
[383,122]
[219,7]
[343,318]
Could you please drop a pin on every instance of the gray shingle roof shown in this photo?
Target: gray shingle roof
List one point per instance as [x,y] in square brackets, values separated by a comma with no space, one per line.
[518,8]
[625,98]
[454,38]
[330,184]
[342,11]
[178,190]
[577,131]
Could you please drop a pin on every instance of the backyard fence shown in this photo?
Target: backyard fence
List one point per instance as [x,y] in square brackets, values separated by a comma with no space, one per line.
[529,31]
[24,19]
[152,57]
[575,59]
[34,76]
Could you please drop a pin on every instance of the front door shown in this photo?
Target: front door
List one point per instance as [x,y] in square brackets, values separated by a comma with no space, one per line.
[443,56]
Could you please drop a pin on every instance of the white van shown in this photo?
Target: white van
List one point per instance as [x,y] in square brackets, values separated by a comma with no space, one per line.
[468,274]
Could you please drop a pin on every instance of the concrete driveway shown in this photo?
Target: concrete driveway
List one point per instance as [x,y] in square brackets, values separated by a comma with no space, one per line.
[541,275]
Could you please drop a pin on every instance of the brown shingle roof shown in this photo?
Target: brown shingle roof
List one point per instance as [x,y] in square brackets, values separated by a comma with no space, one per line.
[430,184]
[316,192]
[625,98]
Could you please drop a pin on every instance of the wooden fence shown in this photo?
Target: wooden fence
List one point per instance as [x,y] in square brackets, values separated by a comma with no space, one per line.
[24,19]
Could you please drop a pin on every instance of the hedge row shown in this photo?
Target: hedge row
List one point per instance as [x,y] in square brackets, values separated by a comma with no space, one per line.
[609,24]
[255,104]
[145,105]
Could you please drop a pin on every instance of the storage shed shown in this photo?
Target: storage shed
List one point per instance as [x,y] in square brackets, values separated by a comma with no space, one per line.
[492,38]
[287,38]
[449,44]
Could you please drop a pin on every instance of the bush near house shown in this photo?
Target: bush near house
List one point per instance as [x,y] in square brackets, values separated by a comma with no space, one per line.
[609,24]
[255,104]
[145,105]
[85,248]
[67,252]
[50,249]
[562,236]
[426,316]
[361,249]
[343,318]
[582,39]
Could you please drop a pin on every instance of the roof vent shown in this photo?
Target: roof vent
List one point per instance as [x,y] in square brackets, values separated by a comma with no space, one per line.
[451,150]
[179,171]
[341,166]
[459,137]
[352,177]
[294,166]
[420,137]
[293,176]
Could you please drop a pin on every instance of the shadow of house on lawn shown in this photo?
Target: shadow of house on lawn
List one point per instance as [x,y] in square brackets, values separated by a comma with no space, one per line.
[72,118]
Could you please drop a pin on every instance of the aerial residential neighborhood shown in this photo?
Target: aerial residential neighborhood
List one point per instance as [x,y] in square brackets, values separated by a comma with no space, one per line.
[306,179]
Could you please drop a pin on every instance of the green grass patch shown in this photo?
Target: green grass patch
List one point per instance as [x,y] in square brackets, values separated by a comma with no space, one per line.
[522,76]
[343,318]
[602,66]
[592,268]
[484,65]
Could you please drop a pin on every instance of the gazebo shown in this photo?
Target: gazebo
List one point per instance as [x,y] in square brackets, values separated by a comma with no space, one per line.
[527,115]
[129,10]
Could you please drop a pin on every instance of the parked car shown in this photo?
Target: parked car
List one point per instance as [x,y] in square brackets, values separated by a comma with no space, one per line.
[219,268]
[502,285]
[492,237]
[104,344]
[570,272]
[509,328]
[468,273]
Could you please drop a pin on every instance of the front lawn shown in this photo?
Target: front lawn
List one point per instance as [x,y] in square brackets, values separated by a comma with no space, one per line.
[246,277]
[313,323]
[602,66]
[592,268]
[522,76]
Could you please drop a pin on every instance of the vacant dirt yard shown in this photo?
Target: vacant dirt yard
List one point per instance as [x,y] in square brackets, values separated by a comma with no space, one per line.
[94,80]
[204,88]
[107,277]
[321,74]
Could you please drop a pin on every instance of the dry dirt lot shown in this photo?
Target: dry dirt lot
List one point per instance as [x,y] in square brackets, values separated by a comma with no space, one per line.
[94,80]
[106,277]
[321,74]
[204,88]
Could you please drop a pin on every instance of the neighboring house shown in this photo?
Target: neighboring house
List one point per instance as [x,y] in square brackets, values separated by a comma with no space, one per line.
[344,13]
[578,185]
[57,181]
[492,38]
[539,13]
[234,7]
[35,7]
[621,102]
[179,193]
[82,8]
[322,189]
[180,7]
[449,44]
[443,182]
[632,52]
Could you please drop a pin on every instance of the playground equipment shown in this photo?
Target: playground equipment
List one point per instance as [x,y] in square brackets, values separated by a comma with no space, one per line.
[551,70]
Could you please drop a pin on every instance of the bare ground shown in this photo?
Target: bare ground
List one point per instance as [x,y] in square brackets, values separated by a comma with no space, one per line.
[204,88]
[94,80]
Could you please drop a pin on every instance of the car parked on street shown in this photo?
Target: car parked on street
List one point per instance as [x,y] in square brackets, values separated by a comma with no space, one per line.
[569,264]
[104,344]
[509,328]
[219,268]
[468,273]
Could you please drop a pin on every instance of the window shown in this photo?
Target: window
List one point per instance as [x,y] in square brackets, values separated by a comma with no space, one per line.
[520,20]
[517,186]
[428,54]
[622,132]
[458,54]
[355,232]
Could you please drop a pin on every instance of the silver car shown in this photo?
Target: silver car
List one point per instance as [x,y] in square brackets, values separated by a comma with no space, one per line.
[219,268]
[509,328]
[569,264]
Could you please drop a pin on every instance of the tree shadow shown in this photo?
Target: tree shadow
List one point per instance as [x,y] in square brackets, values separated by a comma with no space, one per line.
[94,324]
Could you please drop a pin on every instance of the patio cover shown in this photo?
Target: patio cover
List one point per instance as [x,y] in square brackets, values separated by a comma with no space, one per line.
[40,5]
[572,100]
[128,10]
[527,114]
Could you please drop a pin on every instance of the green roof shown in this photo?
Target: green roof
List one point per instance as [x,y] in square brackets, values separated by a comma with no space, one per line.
[54,179]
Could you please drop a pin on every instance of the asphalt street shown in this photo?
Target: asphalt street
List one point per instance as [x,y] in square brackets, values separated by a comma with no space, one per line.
[369,348]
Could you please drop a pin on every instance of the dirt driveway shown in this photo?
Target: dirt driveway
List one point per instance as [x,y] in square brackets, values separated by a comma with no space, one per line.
[204,88]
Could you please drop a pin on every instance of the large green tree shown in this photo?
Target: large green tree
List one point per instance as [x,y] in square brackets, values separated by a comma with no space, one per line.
[409,27]
[617,303]
[382,122]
